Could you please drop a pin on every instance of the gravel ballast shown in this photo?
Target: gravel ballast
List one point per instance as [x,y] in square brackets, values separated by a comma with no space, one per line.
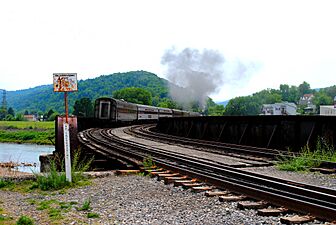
[131,199]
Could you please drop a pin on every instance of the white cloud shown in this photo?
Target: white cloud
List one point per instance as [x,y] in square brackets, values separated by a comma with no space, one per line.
[292,41]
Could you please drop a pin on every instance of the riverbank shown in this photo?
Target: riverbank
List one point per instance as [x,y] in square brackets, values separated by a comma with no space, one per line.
[42,133]
[23,157]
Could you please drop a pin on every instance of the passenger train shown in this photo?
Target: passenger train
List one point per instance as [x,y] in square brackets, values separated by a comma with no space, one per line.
[116,110]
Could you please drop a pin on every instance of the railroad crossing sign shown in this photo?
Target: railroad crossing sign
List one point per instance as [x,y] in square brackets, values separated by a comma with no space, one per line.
[66,82]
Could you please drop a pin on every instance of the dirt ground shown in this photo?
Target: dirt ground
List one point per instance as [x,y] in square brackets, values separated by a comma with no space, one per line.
[7,172]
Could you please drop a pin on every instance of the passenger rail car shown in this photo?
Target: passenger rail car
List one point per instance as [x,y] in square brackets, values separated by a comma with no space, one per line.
[121,111]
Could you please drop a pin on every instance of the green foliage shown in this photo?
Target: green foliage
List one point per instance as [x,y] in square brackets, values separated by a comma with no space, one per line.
[85,206]
[321,98]
[27,132]
[55,213]
[148,162]
[11,111]
[308,158]
[25,220]
[251,105]
[54,180]
[92,215]
[212,109]
[243,106]
[42,98]
[134,95]
[83,108]
[24,125]
[5,183]
[168,103]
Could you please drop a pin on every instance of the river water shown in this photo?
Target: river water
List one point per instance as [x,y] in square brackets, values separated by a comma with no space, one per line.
[24,153]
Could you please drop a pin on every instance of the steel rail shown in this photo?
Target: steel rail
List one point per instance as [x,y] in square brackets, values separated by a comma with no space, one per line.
[312,187]
[301,199]
[225,147]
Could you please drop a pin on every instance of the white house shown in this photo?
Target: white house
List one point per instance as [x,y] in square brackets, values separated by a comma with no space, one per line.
[283,108]
[328,110]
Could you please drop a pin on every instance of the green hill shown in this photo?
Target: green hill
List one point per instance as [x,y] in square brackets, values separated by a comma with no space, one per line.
[42,98]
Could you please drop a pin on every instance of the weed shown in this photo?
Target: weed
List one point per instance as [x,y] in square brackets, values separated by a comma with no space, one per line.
[54,180]
[148,162]
[92,215]
[45,204]
[142,174]
[85,206]
[5,184]
[24,220]
[55,213]
[308,158]
[32,201]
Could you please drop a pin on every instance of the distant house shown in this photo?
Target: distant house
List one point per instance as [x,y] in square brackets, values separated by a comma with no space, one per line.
[307,102]
[283,108]
[306,99]
[328,110]
[30,117]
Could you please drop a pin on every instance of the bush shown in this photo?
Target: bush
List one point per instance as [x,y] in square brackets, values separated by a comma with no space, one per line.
[55,180]
[308,158]
[25,220]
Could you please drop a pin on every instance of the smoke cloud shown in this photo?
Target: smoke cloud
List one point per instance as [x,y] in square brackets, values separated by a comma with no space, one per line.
[200,73]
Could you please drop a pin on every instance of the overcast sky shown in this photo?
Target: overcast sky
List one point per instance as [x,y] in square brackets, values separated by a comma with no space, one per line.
[279,41]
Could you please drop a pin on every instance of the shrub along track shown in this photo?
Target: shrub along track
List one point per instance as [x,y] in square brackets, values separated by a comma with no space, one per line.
[115,143]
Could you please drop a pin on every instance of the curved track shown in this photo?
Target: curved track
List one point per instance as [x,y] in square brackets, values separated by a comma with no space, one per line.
[118,143]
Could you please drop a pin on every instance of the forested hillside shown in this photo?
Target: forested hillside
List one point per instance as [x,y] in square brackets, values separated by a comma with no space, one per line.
[42,98]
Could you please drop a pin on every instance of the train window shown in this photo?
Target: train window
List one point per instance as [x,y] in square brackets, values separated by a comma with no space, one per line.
[104,110]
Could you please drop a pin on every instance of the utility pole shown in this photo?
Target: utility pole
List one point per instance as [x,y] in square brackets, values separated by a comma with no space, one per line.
[4,102]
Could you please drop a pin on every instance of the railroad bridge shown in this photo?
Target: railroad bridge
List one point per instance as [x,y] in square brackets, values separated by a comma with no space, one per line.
[276,132]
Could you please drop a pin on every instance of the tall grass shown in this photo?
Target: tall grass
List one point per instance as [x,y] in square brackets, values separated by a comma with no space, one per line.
[309,158]
[55,180]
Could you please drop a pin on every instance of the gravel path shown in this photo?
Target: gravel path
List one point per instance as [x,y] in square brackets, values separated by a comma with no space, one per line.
[129,200]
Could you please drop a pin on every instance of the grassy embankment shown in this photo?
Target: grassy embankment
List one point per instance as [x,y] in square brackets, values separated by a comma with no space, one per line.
[27,132]
[309,158]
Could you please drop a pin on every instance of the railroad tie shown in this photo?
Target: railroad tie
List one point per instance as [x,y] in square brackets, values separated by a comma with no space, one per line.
[297,219]
[272,211]
[181,182]
[126,172]
[169,180]
[190,185]
[152,170]
[232,198]
[201,189]
[216,193]
[252,205]
[163,175]
[153,174]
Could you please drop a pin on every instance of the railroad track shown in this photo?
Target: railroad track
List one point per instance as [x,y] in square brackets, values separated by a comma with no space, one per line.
[318,201]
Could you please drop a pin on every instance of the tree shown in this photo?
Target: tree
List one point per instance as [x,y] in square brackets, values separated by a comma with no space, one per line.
[83,108]
[11,111]
[321,98]
[304,88]
[168,103]
[48,114]
[284,90]
[243,106]
[135,95]
[212,109]
[19,117]
[52,116]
